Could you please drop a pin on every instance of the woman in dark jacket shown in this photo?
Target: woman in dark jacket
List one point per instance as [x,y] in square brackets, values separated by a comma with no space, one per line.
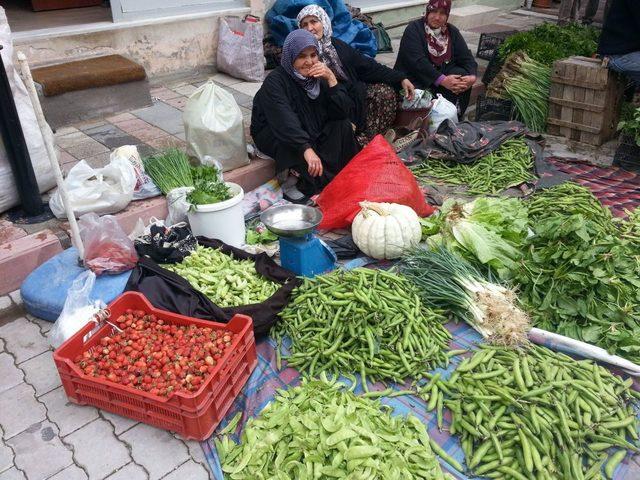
[434,56]
[371,85]
[301,118]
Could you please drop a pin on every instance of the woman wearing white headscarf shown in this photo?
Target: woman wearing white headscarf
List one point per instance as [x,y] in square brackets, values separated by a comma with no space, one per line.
[371,85]
[301,119]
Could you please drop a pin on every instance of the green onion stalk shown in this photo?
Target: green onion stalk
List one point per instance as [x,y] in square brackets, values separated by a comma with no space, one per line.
[169,169]
[447,281]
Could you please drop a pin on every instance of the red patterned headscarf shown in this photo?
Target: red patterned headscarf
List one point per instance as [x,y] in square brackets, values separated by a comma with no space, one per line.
[438,40]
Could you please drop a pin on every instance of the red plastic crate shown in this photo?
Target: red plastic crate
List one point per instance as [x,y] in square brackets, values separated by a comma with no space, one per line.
[193,415]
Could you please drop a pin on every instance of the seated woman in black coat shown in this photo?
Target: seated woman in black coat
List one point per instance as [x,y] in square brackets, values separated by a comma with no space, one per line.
[371,85]
[435,56]
[301,118]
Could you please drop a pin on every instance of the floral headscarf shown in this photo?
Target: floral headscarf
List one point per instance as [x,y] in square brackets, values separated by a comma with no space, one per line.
[327,51]
[438,39]
[295,43]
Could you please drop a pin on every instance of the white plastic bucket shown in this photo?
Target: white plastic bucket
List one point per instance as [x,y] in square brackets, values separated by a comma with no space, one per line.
[223,220]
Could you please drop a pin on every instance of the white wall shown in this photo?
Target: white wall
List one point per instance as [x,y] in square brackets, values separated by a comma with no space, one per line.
[123,10]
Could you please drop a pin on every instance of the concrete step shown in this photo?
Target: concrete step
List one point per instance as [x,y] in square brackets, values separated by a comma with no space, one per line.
[473,16]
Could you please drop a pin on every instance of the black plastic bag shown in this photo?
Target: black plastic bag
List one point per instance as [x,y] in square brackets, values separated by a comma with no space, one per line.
[169,291]
[166,244]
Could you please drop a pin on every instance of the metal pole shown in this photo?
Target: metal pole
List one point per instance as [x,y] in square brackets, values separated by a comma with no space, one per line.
[51,150]
[16,147]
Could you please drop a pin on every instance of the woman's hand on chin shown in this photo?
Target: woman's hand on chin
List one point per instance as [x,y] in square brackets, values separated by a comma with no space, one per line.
[320,70]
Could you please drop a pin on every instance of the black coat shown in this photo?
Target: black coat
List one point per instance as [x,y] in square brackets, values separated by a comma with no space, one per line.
[413,56]
[294,119]
[621,29]
[362,70]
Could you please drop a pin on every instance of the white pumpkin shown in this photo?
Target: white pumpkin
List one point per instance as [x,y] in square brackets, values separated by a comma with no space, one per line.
[385,230]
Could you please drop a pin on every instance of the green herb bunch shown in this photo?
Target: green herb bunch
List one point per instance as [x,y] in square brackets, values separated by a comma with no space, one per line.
[630,125]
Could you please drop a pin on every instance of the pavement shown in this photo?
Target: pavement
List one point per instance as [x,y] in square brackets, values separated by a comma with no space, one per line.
[43,436]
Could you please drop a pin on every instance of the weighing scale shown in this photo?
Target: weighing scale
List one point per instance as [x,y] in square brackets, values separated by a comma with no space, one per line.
[300,250]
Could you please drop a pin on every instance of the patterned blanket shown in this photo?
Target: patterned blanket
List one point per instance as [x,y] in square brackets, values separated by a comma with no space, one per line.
[265,379]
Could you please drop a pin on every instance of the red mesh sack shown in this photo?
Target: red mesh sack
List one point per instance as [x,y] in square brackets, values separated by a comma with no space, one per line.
[376,174]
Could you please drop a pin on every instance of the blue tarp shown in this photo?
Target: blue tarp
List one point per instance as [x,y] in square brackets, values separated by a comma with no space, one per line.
[281,19]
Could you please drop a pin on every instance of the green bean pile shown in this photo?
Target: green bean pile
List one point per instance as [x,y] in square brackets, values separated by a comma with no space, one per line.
[538,414]
[226,281]
[319,430]
[362,321]
[510,164]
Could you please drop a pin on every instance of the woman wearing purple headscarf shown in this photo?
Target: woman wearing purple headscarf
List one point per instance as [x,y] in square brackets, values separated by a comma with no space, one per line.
[372,86]
[435,56]
[301,119]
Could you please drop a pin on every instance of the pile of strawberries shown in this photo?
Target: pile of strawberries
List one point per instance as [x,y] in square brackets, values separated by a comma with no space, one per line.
[155,356]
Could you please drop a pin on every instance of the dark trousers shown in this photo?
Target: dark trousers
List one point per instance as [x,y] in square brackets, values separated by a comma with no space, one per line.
[335,146]
[462,100]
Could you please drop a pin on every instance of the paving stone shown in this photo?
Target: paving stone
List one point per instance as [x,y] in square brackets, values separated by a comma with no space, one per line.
[185,90]
[71,139]
[72,472]
[87,149]
[65,157]
[65,414]
[41,373]
[19,410]
[120,424]
[11,375]
[197,454]
[242,99]
[12,474]
[1,345]
[5,303]
[102,461]
[66,168]
[248,88]
[163,93]
[149,133]
[16,297]
[131,471]
[168,141]
[133,125]
[179,102]
[111,136]
[190,470]
[224,79]
[39,452]
[88,125]
[65,131]
[145,150]
[102,159]
[23,339]
[162,116]
[44,325]
[123,117]
[6,456]
[182,136]
[149,447]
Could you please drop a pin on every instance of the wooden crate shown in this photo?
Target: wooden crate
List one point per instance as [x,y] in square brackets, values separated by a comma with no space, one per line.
[584,101]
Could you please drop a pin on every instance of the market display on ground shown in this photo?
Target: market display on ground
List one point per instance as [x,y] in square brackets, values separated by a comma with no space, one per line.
[433,300]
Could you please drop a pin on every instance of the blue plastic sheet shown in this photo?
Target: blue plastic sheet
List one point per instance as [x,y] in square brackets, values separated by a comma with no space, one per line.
[281,19]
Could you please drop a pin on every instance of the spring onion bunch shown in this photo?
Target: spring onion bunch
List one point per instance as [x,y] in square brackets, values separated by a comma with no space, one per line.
[169,169]
[529,92]
[446,281]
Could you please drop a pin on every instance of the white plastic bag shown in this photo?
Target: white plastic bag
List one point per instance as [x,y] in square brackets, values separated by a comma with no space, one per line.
[32,134]
[441,110]
[214,128]
[145,188]
[178,205]
[77,311]
[99,190]
[240,49]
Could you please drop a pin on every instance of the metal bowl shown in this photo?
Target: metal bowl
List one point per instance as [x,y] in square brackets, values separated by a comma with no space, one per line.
[291,220]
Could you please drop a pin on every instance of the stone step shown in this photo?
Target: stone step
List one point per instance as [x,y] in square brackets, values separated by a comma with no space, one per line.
[19,257]
[473,16]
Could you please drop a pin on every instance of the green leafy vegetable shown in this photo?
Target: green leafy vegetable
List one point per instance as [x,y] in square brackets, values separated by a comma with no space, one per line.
[491,231]
[630,125]
[580,274]
[208,186]
[261,236]
[549,42]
